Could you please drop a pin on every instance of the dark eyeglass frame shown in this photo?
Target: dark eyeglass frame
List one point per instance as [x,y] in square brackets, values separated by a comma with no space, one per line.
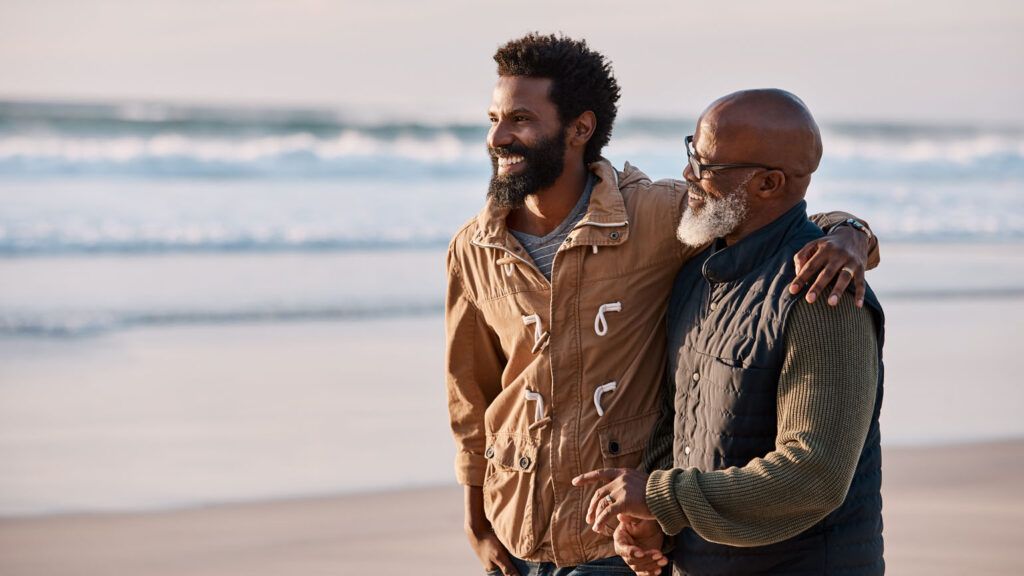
[699,168]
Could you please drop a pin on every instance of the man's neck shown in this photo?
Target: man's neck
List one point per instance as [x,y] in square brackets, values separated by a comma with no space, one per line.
[548,208]
[758,217]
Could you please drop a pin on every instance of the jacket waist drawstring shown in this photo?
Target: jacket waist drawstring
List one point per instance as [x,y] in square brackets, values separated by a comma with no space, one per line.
[600,391]
[538,409]
[600,322]
[540,336]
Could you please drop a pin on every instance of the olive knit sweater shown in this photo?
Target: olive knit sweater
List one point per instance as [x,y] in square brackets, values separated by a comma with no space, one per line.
[825,400]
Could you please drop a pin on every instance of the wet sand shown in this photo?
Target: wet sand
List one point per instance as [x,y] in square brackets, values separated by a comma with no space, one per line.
[950,510]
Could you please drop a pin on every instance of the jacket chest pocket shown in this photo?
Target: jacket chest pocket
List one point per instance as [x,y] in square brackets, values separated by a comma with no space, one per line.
[510,492]
[623,442]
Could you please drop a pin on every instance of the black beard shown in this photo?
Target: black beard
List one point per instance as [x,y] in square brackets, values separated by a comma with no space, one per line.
[544,164]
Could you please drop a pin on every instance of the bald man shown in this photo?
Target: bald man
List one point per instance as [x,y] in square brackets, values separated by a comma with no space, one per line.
[772,425]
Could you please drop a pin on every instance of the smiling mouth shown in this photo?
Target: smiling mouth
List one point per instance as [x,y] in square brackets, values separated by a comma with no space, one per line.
[509,161]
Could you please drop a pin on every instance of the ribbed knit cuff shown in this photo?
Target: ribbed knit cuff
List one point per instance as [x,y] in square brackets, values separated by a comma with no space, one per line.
[661,500]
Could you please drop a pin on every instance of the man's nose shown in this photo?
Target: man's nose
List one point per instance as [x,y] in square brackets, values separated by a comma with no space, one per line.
[499,136]
[688,174]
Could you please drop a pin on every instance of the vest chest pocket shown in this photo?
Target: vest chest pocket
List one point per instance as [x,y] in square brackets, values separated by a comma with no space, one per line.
[510,486]
[623,442]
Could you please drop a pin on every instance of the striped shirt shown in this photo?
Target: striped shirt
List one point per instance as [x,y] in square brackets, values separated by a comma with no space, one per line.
[543,248]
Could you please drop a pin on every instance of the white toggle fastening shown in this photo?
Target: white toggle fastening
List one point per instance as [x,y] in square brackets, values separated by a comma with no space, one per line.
[595,248]
[600,323]
[538,331]
[538,409]
[598,392]
[509,269]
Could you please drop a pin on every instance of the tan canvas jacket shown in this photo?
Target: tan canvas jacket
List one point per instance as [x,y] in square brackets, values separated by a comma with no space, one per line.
[548,380]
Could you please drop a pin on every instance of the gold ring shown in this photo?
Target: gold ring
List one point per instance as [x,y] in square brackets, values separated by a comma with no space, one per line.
[849,271]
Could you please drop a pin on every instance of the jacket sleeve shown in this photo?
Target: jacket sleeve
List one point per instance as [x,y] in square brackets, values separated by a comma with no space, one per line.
[473,364]
[828,221]
[825,400]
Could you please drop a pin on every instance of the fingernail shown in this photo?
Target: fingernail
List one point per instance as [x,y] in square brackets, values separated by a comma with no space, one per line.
[794,288]
[833,300]
[860,303]
[811,297]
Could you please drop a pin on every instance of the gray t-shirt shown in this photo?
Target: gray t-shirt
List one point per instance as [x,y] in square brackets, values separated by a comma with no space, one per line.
[542,248]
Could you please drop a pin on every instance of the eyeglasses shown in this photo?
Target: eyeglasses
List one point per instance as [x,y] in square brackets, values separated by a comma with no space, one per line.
[698,168]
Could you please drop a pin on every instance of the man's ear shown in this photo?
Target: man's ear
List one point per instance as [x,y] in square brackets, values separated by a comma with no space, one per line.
[771,184]
[581,129]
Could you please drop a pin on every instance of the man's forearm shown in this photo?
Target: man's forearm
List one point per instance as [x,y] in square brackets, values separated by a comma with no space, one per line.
[476,520]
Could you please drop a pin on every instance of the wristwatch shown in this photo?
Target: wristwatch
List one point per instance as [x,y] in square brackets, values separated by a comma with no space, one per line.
[856,225]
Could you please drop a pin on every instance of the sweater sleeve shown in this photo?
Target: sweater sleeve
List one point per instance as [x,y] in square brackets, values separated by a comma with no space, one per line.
[825,400]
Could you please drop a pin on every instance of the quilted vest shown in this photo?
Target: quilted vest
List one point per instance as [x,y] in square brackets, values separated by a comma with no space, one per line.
[726,327]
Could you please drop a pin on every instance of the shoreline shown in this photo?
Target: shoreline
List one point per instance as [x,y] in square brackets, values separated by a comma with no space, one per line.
[950,509]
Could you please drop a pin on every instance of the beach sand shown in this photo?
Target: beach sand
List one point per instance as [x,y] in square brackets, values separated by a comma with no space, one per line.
[248,415]
[948,510]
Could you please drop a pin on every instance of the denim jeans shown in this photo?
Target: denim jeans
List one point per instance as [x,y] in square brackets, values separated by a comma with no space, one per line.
[613,566]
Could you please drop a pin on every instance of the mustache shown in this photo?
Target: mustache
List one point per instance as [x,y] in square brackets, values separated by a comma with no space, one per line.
[695,189]
[506,151]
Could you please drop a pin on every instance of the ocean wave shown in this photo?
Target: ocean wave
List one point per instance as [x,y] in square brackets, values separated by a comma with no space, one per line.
[357,153]
[70,324]
[93,323]
[151,140]
[209,239]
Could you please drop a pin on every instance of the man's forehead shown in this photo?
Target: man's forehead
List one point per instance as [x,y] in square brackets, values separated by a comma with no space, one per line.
[512,92]
[705,136]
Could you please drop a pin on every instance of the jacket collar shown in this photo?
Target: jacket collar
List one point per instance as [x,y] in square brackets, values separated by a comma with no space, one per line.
[605,213]
[734,262]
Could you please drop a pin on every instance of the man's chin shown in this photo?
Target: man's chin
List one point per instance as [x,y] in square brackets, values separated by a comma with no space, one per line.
[692,236]
[508,191]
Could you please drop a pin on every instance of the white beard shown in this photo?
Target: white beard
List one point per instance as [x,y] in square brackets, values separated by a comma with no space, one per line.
[718,217]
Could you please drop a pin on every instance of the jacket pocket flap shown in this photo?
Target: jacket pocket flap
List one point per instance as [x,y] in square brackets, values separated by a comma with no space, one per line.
[626,436]
[512,452]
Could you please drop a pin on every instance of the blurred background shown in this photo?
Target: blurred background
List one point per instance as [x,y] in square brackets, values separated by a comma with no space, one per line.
[223,227]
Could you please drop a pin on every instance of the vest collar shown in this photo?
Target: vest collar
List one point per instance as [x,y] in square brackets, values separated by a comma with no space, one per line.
[734,262]
[606,209]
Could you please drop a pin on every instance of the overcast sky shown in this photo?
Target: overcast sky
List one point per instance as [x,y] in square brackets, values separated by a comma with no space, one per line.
[947,60]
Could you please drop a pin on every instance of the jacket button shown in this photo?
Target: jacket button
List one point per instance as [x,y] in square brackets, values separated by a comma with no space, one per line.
[696,376]
[686,450]
[614,235]
[489,453]
[613,447]
[524,462]
[714,306]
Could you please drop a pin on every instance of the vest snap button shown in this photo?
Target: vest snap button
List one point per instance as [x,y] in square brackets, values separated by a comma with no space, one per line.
[613,447]
[696,376]
[713,306]
[524,462]
[614,235]
[489,453]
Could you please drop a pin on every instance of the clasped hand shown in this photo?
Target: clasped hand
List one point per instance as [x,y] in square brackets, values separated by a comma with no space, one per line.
[619,509]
